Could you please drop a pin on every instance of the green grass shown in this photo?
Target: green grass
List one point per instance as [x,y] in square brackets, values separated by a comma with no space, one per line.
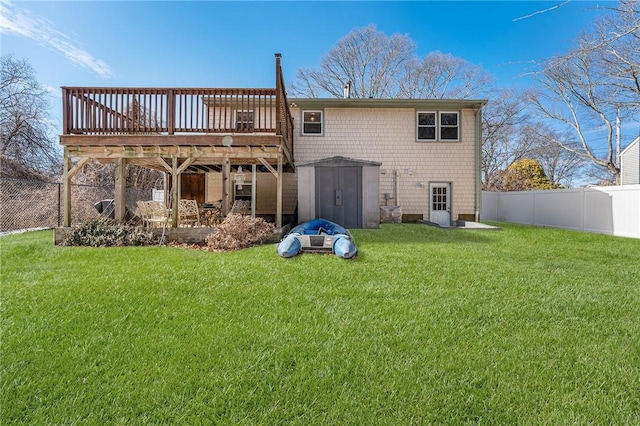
[519,326]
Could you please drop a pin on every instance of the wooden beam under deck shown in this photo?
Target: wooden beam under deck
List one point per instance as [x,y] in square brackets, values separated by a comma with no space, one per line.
[195,152]
[201,159]
[245,149]
[171,140]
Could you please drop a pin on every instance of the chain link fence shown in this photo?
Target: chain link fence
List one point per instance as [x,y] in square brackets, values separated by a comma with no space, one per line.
[26,204]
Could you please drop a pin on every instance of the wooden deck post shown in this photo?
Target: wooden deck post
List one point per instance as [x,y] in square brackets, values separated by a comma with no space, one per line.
[226,173]
[120,189]
[68,172]
[175,192]
[254,181]
[279,194]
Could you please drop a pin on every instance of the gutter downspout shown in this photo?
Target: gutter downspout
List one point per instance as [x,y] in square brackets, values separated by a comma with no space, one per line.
[478,197]
[396,189]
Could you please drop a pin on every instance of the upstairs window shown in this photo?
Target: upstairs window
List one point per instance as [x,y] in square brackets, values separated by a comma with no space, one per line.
[438,126]
[244,120]
[449,126]
[426,126]
[311,122]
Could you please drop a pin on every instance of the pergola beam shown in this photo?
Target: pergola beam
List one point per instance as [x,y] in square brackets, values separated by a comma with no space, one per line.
[154,140]
[68,172]
[197,153]
[120,189]
[269,167]
[175,192]
[175,160]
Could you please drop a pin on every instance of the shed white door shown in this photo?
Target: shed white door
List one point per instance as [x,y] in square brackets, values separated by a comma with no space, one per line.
[440,203]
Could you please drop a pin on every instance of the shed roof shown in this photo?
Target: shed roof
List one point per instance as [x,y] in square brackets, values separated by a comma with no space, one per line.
[339,161]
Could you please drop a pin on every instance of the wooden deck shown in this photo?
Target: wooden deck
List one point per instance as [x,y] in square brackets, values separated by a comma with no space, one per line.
[177,130]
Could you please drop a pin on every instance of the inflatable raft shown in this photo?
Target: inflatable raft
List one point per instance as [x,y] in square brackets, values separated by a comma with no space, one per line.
[320,236]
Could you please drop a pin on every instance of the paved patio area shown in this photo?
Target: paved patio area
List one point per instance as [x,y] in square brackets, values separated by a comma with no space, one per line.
[462,224]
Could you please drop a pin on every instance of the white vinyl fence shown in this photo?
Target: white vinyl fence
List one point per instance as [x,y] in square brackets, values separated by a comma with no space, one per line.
[612,210]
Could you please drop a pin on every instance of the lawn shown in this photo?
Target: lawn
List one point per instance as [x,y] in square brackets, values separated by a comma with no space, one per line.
[426,326]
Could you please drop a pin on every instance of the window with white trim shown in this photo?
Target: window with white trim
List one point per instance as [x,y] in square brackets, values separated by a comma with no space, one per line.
[311,122]
[441,126]
[426,126]
[449,127]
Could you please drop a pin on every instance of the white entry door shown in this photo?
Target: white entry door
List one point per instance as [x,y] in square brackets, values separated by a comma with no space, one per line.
[440,203]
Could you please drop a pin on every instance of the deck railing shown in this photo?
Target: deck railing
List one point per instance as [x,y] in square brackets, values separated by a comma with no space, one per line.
[167,111]
[97,110]
[285,119]
[122,111]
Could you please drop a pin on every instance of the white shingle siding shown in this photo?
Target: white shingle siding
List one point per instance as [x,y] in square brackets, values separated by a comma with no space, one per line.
[388,136]
[630,164]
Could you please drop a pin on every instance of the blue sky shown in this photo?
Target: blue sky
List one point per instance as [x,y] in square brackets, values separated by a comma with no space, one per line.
[228,44]
[231,44]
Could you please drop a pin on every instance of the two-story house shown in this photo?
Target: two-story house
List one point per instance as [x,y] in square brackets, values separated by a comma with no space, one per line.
[355,155]
[341,159]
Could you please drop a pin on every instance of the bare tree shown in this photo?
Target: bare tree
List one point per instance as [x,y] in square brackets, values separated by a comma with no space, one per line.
[510,134]
[571,95]
[502,118]
[25,124]
[381,66]
[593,86]
[367,58]
[617,40]
[440,75]
[560,165]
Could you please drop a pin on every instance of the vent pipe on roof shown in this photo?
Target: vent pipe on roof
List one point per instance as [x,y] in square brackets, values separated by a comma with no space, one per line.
[346,92]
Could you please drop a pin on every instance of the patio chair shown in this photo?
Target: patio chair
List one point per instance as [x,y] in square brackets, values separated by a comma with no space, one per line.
[242,207]
[144,211]
[188,213]
[154,213]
